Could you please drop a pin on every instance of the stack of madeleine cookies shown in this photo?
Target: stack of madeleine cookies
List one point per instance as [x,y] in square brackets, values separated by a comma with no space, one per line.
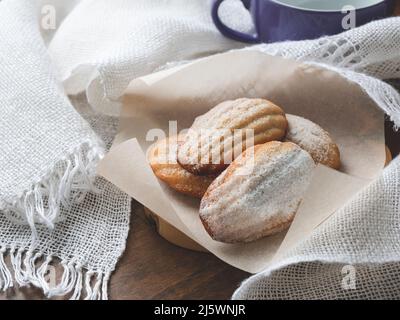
[248,162]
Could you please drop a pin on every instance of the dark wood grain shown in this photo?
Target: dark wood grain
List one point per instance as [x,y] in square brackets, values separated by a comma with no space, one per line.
[152,268]
[397,10]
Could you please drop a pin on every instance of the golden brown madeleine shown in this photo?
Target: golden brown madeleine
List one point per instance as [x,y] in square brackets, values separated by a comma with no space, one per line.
[258,194]
[162,159]
[315,140]
[224,132]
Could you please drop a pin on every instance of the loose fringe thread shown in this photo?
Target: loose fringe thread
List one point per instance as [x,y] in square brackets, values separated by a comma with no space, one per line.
[65,184]
[36,269]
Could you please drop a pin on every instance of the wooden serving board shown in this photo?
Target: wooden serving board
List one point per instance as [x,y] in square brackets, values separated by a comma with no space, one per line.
[171,234]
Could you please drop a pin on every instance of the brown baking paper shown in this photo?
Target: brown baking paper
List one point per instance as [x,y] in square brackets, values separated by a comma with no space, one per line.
[183,93]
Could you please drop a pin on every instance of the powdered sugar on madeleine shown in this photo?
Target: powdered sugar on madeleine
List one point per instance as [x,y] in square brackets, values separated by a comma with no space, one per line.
[216,137]
[315,140]
[245,207]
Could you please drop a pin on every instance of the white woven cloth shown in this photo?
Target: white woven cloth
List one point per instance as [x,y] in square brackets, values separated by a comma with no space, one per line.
[54,210]
[355,254]
[134,38]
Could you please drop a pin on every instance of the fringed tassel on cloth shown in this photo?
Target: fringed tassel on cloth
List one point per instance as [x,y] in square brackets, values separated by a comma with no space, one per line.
[65,184]
[26,268]
[6,280]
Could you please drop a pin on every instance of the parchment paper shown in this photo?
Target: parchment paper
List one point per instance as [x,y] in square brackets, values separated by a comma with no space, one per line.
[183,93]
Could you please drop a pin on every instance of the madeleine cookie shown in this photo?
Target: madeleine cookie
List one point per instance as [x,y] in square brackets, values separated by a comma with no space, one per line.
[258,194]
[162,159]
[224,132]
[315,140]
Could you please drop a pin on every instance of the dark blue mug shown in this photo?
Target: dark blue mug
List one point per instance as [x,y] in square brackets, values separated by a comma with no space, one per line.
[280,20]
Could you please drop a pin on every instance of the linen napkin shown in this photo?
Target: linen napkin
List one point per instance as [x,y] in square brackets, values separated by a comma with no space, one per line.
[53,210]
[49,152]
[355,253]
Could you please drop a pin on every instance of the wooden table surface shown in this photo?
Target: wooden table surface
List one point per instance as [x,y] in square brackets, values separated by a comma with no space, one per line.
[152,268]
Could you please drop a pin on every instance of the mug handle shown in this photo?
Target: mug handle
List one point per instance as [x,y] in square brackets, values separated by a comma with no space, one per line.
[228,32]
